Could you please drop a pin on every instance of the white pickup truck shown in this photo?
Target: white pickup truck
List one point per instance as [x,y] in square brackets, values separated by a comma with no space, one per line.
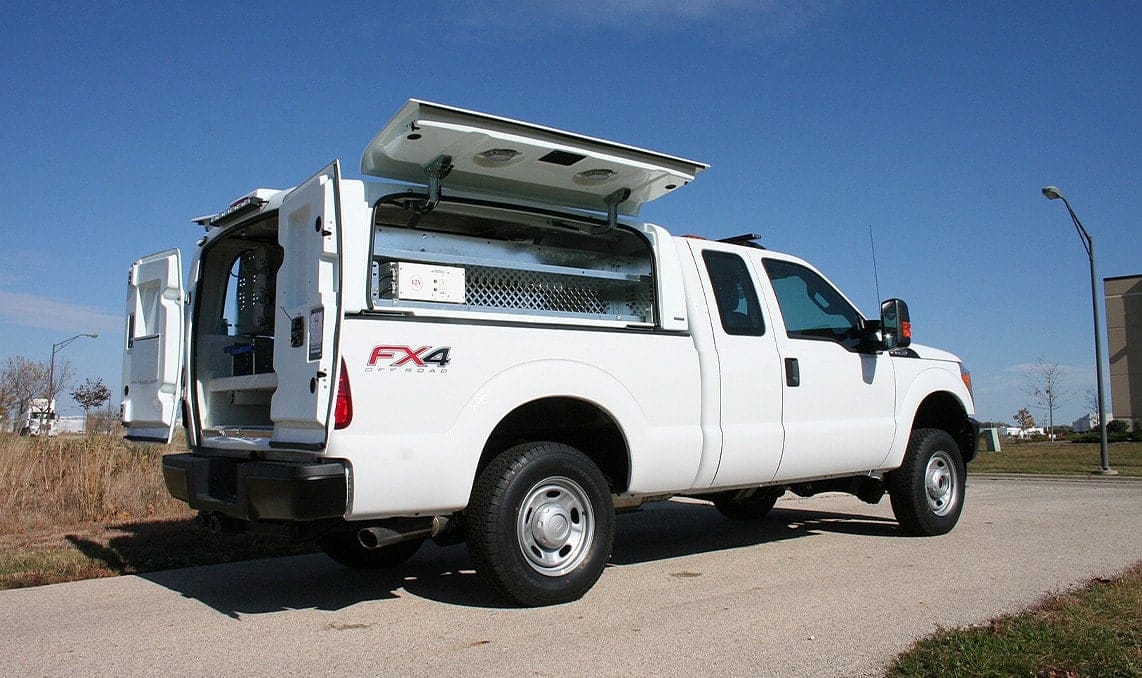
[39,418]
[492,351]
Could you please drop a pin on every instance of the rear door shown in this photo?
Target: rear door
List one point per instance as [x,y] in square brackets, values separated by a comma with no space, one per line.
[153,354]
[748,367]
[308,294]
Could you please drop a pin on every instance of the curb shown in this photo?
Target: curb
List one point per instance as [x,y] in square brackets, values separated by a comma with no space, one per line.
[1092,478]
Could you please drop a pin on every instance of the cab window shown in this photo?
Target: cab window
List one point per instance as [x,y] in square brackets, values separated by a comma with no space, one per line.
[734,294]
[811,307]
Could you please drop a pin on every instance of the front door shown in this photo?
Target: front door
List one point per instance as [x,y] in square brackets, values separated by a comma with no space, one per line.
[839,403]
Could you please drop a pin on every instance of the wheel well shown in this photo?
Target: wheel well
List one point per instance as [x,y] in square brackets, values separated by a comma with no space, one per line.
[577,423]
[944,411]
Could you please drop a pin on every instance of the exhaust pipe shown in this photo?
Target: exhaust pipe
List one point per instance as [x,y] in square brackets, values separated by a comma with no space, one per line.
[402,529]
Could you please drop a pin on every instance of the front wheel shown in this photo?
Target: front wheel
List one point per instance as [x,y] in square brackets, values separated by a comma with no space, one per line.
[927,491]
[541,524]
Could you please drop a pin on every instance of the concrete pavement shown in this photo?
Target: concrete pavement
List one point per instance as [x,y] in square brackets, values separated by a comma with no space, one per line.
[825,586]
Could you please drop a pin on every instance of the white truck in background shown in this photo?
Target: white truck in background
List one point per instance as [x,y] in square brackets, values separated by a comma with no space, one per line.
[39,418]
[493,351]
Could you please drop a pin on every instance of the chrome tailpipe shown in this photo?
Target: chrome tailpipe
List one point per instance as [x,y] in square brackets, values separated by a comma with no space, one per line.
[402,529]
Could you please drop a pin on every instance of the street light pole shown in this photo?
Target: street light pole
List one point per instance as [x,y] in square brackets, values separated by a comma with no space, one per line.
[1053,193]
[57,347]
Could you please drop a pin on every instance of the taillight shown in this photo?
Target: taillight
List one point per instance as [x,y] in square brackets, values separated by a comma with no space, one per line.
[343,407]
[966,376]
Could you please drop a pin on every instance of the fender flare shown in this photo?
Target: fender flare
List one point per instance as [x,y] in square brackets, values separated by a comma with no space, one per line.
[926,383]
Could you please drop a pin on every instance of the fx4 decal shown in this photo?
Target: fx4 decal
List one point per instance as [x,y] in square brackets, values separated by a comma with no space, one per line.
[392,358]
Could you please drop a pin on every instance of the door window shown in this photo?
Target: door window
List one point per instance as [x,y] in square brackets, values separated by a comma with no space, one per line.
[811,307]
[734,294]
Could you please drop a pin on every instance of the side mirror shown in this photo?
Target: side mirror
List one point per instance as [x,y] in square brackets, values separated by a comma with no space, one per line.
[894,324]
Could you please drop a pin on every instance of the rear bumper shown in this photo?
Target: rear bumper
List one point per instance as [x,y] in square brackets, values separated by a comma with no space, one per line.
[258,490]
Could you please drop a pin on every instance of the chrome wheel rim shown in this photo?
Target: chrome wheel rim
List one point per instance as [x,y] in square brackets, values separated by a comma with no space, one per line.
[555,526]
[940,483]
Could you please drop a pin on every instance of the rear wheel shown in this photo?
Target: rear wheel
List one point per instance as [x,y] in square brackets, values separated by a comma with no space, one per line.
[751,504]
[927,491]
[541,524]
[345,548]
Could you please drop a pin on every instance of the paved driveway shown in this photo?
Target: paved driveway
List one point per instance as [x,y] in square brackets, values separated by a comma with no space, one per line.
[823,587]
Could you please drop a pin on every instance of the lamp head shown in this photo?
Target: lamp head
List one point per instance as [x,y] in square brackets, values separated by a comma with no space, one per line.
[1052,193]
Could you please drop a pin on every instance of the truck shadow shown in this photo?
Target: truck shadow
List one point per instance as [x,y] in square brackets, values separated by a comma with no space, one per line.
[674,529]
[311,581]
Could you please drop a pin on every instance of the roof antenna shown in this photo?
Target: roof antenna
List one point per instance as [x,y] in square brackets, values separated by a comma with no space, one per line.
[875,275]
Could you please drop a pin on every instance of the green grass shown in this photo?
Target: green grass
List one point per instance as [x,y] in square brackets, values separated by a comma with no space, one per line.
[1094,631]
[1058,458]
[23,568]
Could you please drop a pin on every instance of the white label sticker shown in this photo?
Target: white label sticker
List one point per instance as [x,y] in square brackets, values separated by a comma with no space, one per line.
[316,331]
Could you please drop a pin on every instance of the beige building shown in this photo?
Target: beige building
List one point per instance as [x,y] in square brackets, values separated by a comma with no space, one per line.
[1124,331]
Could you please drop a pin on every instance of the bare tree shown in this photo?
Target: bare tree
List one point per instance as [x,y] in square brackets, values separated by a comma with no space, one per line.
[21,380]
[1046,389]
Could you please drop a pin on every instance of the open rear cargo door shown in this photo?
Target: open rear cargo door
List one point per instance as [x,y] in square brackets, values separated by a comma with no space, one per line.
[152,357]
[521,160]
[308,294]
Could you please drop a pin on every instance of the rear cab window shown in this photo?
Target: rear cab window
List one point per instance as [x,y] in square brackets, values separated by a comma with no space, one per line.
[734,294]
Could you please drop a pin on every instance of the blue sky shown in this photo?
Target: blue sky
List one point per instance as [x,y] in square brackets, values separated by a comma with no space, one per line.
[936,124]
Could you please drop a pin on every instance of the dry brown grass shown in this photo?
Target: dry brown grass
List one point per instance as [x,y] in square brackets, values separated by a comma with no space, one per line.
[77,507]
[48,483]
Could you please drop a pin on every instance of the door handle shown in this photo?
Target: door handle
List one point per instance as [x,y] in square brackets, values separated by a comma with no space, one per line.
[792,372]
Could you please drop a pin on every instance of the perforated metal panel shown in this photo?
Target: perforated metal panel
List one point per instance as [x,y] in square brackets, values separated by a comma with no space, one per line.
[255,293]
[505,288]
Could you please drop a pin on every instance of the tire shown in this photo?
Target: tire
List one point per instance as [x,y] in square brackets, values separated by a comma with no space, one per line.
[752,504]
[345,548]
[541,524]
[927,491]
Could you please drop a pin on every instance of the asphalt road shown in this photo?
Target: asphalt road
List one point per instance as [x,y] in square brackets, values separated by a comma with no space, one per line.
[825,586]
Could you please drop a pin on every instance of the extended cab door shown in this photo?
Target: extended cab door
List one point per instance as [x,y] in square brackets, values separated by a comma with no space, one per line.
[153,353]
[308,294]
[747,368]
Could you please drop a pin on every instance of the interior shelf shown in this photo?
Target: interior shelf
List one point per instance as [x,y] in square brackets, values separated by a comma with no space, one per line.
[266,381]
[455,260]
